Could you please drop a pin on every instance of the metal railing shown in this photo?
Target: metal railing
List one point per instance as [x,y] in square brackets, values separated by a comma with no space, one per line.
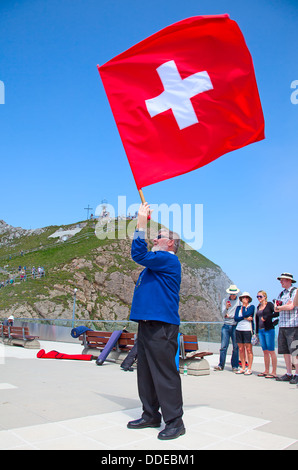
[59,329]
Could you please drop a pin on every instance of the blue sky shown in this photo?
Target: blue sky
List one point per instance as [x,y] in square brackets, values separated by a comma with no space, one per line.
[60,149]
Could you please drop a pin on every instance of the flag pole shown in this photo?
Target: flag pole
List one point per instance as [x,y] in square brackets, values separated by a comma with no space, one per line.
[142,196]
[143,201]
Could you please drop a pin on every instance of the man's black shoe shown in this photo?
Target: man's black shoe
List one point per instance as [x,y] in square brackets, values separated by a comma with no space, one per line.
[171,433]
[294,380]
[284,378]
[143,423]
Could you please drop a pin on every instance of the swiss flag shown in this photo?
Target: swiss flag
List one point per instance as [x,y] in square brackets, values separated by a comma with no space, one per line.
[183,97]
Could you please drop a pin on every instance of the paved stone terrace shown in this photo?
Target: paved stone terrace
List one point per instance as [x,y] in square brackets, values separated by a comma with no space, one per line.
[74,405]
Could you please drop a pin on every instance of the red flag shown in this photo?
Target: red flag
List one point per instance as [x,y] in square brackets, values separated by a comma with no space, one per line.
[183,97]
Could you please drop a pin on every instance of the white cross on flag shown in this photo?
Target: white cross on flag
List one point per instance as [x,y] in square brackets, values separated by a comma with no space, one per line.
[177,94]
[183,97]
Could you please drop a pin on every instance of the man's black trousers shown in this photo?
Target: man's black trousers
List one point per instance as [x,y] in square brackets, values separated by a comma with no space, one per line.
[159,382]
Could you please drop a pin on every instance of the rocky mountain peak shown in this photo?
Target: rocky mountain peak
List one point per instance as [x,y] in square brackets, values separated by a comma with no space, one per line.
[103,274]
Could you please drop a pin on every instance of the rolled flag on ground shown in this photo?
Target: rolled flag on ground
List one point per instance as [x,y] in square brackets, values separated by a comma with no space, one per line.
[57,355]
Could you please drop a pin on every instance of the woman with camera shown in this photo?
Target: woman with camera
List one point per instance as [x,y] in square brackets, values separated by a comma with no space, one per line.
[265,330]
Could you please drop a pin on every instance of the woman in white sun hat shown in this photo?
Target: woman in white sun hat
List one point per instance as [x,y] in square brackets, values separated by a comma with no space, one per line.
[244,316]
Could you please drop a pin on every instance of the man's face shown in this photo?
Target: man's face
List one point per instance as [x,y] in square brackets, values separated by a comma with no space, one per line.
[233,297]
[160,243]
[286,283]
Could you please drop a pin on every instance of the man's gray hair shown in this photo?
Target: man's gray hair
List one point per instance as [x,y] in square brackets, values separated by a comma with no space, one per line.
[172,236]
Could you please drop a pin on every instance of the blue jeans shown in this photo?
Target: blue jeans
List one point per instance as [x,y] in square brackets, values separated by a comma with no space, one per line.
[267,339]
[228,332]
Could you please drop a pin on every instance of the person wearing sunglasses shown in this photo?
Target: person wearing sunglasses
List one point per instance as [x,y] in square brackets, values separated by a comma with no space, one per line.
[265,330]
[155,306]
[244,316]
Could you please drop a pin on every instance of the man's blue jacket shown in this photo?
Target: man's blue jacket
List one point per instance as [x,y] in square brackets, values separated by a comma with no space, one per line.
[156,294]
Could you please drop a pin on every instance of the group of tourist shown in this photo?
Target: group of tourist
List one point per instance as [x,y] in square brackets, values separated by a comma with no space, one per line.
[246,326]
[22,275]
[35,272]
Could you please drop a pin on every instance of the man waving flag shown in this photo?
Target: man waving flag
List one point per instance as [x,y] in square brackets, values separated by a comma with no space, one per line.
[183,97]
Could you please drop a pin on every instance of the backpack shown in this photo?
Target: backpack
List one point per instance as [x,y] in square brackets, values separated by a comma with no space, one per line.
[291,292]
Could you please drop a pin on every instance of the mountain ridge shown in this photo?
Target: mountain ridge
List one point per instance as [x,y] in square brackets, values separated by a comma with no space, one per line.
[101,270]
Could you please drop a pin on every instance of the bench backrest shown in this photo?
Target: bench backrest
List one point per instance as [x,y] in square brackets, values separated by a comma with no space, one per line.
[9,331]
[98,339]
[19,329]
[127,340]
[188,343]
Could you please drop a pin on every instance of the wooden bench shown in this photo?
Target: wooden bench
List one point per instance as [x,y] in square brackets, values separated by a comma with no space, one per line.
[98,339]
[189,348]
[17,335]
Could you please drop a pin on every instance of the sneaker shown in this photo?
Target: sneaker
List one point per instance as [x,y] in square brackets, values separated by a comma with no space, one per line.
[284,378]
[218,368]
[294,380]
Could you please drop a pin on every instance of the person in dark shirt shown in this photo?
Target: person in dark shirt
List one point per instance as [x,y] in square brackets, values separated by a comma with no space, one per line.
[265,330]
[9,321]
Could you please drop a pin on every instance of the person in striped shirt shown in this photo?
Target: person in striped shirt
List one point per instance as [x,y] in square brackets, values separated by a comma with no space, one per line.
[288,327]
